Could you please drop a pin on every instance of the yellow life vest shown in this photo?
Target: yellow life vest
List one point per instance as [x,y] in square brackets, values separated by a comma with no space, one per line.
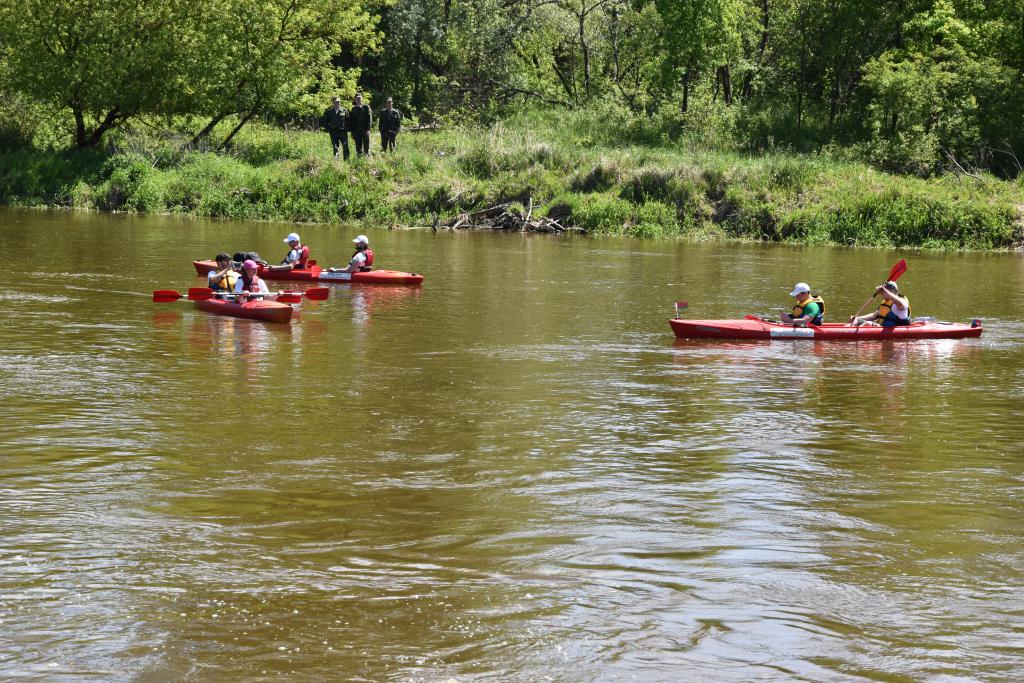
[226,282]
[885,308]
[798,309]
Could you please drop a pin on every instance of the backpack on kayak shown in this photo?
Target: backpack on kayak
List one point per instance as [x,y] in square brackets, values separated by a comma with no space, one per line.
[241,256]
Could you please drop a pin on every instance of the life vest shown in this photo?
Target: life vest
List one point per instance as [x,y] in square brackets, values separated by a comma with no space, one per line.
[885,316]
[798,309]
[250,284]
[368,253]
[226,282]
[303,257]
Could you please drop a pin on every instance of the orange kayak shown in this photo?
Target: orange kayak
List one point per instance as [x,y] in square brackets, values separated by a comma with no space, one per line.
[269,311]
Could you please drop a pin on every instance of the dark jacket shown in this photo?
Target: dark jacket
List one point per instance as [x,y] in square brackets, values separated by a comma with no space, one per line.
[390,121]
[360,119]
[334,121]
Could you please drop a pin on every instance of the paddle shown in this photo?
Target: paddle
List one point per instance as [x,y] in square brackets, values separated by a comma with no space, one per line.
[313,294]
[894,274]
[205,293]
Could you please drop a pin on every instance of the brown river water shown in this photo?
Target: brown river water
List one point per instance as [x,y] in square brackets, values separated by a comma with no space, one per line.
[513,473]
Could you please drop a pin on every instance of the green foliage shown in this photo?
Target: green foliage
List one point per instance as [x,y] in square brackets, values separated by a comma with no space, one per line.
[109,61]
[926,108]
[649,191]
[103,63]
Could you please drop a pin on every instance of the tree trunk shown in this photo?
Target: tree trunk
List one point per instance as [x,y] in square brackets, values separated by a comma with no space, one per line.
[80,137]
[86,139]
[201,135]
[833,101]
[799,106]
[585,51]
[565,77]
[726,78]
[748,79]
[417,72]
[231,135]
[686,90]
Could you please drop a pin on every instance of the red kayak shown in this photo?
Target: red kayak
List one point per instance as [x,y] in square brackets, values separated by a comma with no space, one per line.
[755,328]
[317,274]
[269,311]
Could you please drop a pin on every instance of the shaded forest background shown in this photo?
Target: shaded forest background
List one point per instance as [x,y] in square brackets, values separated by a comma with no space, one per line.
[911,86]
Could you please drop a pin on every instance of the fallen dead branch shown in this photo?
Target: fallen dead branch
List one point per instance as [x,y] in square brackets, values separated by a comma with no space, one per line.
[508,218]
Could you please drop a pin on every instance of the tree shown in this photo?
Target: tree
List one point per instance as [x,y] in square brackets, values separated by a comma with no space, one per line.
[703,34]
[104,60]
[271,57]
[927,96]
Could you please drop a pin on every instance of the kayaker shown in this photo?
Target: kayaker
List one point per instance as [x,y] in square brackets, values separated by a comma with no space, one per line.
[250,284]
[892,312]
[362,259]
[222,281]
[297,256]
[809,309]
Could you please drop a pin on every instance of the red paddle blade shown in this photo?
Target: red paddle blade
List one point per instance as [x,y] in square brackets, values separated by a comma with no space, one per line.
[199,293]
[165,295]
[289,297]
[317,293]
[898,270]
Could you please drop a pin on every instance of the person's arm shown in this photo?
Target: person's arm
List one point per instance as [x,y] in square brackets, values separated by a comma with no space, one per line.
[805,318]
[802,320]
[893,296]
[355,264]
[398,121]
[287,264]
[860,320]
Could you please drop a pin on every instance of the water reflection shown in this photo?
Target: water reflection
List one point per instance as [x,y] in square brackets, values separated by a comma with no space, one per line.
[370,301]
[512,473]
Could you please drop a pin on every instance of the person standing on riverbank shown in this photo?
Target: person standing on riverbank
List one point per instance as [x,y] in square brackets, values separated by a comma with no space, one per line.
[335,122]
[361,121]
[808,309]
[389,123]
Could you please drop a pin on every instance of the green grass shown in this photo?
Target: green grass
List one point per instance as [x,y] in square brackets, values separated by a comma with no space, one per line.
[603,173]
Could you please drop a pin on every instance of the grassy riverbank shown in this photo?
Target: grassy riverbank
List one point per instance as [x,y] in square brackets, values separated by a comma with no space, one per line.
[601,175]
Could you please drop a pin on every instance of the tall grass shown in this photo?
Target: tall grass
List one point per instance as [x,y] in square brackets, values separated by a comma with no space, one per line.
[607,172]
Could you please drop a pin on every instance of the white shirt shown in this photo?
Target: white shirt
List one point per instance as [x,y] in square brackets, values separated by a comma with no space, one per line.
[261,288]
[209,276]
[899,310]
[358,260]
[294,255]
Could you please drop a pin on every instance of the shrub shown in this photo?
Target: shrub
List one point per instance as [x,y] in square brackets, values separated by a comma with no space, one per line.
[600,178]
